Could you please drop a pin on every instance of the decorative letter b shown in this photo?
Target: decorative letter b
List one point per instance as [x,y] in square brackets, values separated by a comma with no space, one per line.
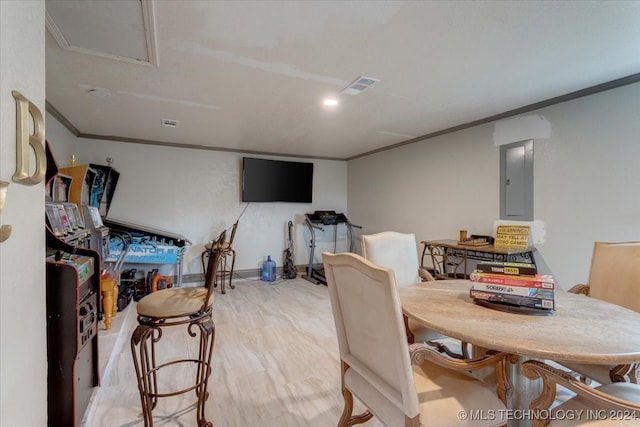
[24,140]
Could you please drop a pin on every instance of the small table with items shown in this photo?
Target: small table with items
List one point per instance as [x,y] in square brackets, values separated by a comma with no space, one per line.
[453,254]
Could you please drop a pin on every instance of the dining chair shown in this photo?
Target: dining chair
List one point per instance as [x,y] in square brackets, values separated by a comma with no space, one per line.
[614,276]
[401,384]
[397,251]
[190,306]
[613,404]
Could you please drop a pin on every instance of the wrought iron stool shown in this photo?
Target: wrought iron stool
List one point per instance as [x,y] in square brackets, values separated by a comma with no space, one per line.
[172,307]
[227,251]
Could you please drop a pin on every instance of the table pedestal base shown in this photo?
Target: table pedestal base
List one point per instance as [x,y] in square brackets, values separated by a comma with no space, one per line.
[528,390]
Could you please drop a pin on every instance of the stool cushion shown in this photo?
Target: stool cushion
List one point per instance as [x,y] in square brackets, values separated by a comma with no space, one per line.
[173,302]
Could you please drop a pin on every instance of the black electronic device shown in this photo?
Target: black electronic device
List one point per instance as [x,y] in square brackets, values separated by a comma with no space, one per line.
[265,180]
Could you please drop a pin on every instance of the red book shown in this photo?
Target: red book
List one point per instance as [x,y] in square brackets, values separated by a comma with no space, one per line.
[537,281]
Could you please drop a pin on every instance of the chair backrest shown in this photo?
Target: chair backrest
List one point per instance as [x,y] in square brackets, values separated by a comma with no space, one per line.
[233,232]
[212,269]
[614,275]
[396,251]
[370,329]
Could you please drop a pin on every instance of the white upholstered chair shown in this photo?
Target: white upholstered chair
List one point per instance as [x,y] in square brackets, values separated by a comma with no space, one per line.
[619,402]
[397,251]
[401,385]
[614,276]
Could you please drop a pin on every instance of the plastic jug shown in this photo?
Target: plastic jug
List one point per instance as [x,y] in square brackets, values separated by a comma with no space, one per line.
[269,270]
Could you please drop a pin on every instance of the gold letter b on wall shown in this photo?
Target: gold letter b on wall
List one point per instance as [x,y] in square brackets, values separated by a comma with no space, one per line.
[24,140]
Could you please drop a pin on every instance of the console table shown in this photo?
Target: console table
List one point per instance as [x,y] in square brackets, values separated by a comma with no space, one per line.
[452,254]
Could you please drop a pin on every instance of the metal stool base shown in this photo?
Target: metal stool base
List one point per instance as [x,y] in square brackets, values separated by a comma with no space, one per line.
[143,342]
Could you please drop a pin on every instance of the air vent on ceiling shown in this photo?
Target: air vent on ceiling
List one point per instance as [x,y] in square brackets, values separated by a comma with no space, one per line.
[359,85]
[170,123]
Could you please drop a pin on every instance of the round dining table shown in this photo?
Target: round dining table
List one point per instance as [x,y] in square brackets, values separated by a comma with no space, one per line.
[580,329]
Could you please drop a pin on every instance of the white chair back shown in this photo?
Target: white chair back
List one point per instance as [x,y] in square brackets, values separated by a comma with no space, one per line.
[396,251]
[371,335]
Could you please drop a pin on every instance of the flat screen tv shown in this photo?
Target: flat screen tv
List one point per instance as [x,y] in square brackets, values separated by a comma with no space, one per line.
[266,180]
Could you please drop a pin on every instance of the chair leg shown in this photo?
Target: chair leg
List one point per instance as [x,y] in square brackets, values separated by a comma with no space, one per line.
[232,253]
[412,422]
[144,359]
[207,338]
[348,419]
[220,274]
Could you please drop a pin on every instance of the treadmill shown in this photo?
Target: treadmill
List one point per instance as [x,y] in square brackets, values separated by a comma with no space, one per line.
[316,221]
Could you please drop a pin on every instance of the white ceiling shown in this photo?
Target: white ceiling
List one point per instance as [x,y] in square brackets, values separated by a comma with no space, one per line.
[251,76]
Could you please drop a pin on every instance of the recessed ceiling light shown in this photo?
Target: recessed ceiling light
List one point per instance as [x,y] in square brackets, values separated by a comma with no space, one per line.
[330,102]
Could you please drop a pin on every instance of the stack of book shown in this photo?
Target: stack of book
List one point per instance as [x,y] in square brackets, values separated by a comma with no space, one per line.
[514,284]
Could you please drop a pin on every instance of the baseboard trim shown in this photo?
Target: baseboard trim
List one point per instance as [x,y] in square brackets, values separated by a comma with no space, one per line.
[237,274]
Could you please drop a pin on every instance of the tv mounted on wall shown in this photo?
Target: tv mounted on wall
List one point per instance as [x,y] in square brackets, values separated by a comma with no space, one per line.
[266,180]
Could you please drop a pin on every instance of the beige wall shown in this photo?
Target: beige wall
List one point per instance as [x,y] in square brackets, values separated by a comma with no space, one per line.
[586,177]
[23,350]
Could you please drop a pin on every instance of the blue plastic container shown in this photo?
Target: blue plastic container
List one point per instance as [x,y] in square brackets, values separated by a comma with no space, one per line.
[269,270]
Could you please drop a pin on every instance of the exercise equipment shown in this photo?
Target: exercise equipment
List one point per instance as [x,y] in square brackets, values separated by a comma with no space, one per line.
[316,221]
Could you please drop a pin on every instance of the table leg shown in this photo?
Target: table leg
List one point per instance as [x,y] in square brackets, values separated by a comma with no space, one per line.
[525,391]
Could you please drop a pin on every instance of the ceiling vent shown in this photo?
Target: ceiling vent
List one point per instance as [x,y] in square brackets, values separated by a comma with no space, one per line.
[169,123]
[359,85]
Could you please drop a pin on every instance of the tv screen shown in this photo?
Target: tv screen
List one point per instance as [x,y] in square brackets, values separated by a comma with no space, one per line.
[276,181]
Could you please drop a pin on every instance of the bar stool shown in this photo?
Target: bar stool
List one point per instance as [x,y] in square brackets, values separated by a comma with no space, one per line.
[227,251]
[172,307]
